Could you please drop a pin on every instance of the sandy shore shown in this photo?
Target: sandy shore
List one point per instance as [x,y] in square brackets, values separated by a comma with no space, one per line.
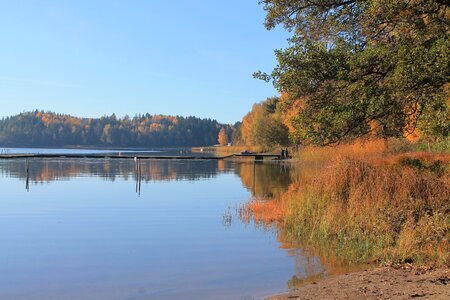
[405,282]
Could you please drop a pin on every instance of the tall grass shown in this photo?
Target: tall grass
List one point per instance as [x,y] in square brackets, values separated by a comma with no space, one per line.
[362,205]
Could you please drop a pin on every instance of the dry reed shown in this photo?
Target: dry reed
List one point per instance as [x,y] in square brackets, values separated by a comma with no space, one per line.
[362,205]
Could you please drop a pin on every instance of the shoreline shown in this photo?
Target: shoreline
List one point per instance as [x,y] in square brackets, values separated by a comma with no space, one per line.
[399,282]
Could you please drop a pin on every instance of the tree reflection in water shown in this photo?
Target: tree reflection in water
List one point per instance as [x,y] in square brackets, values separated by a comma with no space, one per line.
[266,182]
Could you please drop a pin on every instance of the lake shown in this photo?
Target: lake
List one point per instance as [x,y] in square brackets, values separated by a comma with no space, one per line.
[129,151]
[95,229]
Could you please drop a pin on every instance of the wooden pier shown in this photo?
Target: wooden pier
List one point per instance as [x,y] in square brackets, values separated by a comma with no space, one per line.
[256,156]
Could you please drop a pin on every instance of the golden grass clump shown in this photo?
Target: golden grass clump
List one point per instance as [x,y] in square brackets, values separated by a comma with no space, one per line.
[366,211]
[263,212]
[357,149]
[362,205]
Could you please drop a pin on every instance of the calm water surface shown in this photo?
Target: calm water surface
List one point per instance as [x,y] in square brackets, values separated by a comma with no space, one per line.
[91,229]
[128,151]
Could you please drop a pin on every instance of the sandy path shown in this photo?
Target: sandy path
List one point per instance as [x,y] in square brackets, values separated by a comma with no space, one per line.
[380,283]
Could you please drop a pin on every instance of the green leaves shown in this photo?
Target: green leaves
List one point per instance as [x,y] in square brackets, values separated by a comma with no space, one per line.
[262,126]
[362,66]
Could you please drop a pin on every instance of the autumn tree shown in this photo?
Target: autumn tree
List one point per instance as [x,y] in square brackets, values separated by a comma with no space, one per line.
[268,129]
[40,128]
[223,138]
[362,66]
[263,126]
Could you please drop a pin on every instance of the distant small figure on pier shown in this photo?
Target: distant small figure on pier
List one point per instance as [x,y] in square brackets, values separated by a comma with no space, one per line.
[247,152]
[284,154]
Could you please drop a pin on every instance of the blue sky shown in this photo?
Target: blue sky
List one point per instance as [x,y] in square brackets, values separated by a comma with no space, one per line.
[91,58]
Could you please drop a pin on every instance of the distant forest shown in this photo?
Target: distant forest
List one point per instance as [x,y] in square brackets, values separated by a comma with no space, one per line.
[39,129]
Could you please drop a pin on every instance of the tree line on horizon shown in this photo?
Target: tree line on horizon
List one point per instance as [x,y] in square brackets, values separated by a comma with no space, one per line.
[43,129]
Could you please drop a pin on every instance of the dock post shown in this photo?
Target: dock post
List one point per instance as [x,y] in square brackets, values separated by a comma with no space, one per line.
[27,183]
[254,177]
[140,178]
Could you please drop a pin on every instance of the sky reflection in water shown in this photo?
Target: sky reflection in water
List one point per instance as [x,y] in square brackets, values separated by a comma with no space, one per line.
[82,231]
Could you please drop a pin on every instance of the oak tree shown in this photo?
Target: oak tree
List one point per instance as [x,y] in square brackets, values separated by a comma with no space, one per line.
[361,66]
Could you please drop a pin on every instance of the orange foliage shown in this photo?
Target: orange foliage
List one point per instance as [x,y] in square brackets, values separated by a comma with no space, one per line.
[291,109]
[247,128]
[223,138]
[411,132]
[156,127]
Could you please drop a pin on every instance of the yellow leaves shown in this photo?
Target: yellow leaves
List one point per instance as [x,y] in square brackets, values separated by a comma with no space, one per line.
[156,127]
[223,138]
[290,111]
[246,129]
